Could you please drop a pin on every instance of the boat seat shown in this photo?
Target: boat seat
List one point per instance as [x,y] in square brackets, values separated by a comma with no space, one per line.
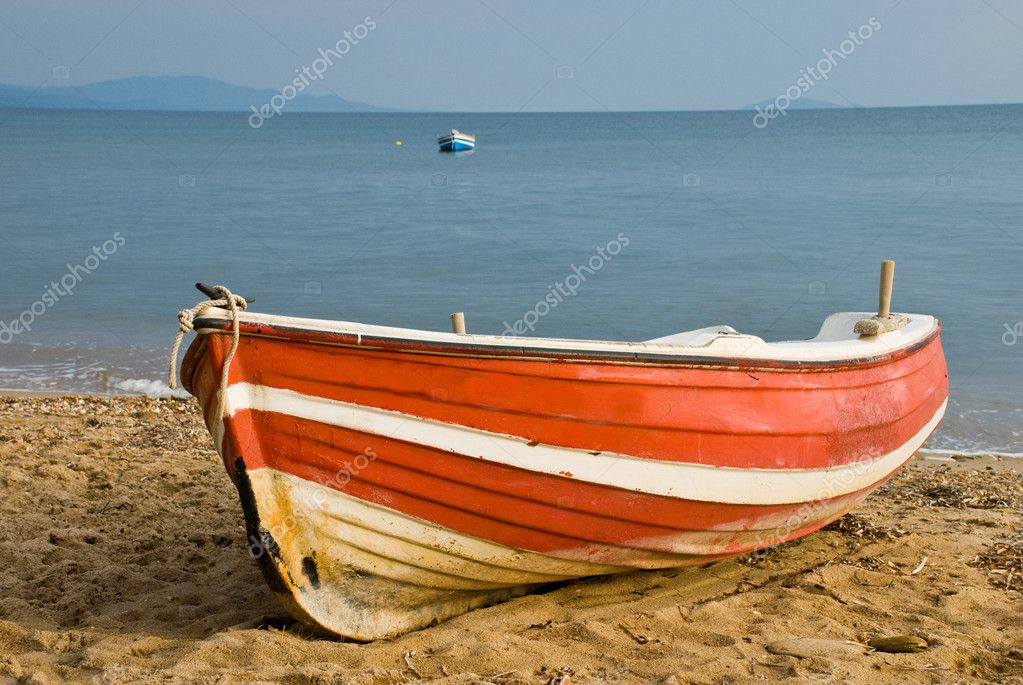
[699,337]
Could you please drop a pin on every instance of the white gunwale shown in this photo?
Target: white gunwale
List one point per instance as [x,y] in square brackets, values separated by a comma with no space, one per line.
[835,341]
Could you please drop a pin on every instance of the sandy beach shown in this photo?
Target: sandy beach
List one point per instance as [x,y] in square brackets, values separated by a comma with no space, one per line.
[123,559]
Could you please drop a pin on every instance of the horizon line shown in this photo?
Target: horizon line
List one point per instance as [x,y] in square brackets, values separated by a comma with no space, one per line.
[387,109]
[379,109]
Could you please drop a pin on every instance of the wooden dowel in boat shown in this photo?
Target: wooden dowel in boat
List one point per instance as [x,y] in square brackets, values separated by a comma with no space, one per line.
[884,296]
[458,322]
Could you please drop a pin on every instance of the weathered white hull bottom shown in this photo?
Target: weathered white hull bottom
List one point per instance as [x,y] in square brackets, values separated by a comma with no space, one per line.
[368,572]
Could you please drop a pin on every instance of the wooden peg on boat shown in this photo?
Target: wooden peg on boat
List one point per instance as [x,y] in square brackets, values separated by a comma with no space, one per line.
[458,323]
[884,321]
[884,294]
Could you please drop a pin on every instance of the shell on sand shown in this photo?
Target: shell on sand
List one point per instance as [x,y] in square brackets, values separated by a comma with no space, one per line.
[898,644]
[809,647]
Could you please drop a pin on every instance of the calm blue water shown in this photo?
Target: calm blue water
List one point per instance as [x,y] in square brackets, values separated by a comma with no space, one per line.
[324,215]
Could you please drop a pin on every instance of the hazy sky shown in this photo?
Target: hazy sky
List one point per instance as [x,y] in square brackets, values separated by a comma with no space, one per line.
[504,55]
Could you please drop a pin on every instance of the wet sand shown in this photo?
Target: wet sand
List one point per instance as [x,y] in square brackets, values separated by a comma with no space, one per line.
[123,559]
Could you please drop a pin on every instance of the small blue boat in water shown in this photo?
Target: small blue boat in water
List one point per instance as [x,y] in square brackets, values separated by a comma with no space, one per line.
[456,142]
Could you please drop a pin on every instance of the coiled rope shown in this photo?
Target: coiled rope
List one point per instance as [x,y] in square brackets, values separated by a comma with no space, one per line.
[186,323]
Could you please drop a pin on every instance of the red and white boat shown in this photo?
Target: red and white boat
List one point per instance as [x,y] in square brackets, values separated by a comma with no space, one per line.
[392,478]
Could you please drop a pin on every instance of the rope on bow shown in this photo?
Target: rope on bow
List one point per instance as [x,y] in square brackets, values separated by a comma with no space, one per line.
[186,323]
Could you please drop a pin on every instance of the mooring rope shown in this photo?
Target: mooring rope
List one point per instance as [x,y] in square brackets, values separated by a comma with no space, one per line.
[186,323]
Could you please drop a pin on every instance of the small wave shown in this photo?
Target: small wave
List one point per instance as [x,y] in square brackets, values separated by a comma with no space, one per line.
[969,453]
[145,386]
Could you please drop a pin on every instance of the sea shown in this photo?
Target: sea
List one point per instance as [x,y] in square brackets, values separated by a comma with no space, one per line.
[654,223]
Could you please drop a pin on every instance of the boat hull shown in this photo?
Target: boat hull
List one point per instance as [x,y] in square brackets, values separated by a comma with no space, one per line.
[388,487]
[456,143]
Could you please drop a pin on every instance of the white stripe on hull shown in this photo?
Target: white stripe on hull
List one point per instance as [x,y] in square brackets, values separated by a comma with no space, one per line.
[696,482]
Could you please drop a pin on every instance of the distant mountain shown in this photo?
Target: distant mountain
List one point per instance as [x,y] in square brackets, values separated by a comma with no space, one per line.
[169,93]
[800,103]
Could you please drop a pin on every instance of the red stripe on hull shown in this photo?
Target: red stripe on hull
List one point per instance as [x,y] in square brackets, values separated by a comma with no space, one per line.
[512,506]
[765,419]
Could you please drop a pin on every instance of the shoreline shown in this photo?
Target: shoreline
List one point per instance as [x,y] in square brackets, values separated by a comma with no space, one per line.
[123,558]
[971,454]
